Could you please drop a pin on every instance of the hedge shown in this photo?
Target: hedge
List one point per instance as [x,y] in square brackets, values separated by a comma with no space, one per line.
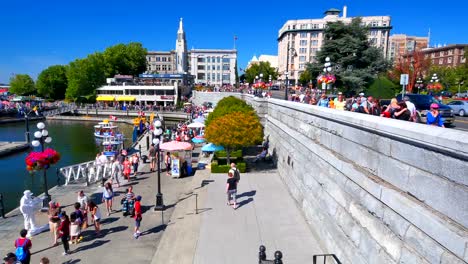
[222,154]
[215,168]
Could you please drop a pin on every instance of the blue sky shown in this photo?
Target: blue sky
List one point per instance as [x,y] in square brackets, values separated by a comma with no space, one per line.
[37,34]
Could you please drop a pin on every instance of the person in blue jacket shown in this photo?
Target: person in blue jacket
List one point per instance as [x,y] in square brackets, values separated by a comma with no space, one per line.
[433,116]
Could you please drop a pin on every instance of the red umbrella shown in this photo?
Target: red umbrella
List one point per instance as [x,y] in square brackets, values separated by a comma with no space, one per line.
[175,146]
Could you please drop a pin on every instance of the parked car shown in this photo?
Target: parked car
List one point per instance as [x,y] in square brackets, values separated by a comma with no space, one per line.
[275,87]
[459,107]
[462,95]
[423,104]
[444,94]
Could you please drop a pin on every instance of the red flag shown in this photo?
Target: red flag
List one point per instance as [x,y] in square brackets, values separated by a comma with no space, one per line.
[113,117]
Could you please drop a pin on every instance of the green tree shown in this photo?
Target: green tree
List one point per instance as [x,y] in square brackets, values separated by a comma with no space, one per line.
[450,77]
[305,78]
[354,61]
[260,68]
[52,82]
[229,105]
[234,130]
[127,59]
[22,84]
[85,76]
[383,88]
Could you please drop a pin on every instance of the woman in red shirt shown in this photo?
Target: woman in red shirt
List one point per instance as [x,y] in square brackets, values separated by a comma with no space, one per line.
[64,232]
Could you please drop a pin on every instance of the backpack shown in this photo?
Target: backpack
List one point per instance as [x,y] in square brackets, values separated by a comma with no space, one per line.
[236,174]
[21,253]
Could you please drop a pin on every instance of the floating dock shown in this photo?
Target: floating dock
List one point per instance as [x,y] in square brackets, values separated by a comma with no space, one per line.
[7,148]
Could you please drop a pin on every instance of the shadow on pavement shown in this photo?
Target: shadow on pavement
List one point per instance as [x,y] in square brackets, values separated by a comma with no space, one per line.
[96,243]
[72,261]
[244,202]
[247,194]
[153,230]
[109,220]
[105,232]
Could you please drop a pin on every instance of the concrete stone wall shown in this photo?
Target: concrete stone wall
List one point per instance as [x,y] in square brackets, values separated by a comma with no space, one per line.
[214,97]
[374,190]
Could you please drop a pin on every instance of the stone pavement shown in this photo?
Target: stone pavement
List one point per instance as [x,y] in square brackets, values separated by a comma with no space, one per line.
[219,234]
[116,244]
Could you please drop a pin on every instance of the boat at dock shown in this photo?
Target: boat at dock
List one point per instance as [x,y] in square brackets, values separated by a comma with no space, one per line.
[111,146]
[106,129]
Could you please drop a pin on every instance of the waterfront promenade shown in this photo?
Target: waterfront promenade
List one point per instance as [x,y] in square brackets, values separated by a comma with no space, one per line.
[217,234]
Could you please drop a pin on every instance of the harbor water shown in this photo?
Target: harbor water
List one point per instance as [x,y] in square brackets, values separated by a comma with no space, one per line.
[74,140]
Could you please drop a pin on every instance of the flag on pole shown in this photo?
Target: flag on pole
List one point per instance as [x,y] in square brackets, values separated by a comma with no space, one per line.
[113,117]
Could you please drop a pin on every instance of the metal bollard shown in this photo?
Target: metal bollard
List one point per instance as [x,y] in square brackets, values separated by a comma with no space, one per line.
[139,146]
[278,257]
[261,254]
[147,142]
[2,206]
[196,203]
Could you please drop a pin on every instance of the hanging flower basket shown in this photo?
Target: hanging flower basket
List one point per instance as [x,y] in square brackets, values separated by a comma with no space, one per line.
[41,160]
[435,86]
[329,78]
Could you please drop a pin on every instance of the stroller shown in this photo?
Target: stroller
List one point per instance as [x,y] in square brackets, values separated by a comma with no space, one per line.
[128,207]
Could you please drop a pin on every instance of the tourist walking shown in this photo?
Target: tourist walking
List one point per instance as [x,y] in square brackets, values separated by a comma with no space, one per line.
[152,157]
[83,200]
[127,168]
[108,197]
[135,162]
[10,258]
[23,247]
[116,171]
[236,171]
[167,163]
[231,190]
[95,216]
[138,217]
[64,232]
[54,221]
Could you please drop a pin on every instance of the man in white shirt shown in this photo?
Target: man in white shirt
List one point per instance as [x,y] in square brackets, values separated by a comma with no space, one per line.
[411,107]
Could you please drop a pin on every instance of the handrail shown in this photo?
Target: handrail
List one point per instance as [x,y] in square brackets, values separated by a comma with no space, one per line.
[89,170]
[325,257]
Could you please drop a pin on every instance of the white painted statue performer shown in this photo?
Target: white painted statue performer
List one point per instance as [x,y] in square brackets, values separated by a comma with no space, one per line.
[28,205]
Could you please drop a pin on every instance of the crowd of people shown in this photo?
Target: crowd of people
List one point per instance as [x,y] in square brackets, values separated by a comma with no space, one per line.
[404,110]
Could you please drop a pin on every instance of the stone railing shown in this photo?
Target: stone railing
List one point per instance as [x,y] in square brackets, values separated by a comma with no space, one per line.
[374,190]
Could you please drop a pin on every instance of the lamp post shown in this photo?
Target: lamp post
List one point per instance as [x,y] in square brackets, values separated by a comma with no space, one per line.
[42,137]
[287,70]
[419,83]
[156,141]
[327,70]
[269,81]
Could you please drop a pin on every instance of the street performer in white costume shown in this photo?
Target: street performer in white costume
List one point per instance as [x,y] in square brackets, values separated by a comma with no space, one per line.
[27,207]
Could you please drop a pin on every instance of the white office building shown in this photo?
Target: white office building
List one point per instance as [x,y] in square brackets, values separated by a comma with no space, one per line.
[306,37]
[213,66]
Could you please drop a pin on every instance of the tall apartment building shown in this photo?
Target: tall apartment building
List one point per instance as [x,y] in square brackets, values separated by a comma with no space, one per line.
[306,37]
[447,56]
[213,66]
[401,44]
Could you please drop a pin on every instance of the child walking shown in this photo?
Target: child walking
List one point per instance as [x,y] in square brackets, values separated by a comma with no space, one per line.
[75,228]
[138,217]
[95,216]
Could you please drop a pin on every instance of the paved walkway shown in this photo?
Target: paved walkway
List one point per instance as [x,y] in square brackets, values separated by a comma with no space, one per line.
[116,244]
[267,215]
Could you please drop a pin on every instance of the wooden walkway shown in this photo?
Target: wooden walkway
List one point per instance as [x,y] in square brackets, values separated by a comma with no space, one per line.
[12,147]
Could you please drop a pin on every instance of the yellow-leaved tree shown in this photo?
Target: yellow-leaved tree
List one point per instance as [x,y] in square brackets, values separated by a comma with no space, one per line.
[235,130]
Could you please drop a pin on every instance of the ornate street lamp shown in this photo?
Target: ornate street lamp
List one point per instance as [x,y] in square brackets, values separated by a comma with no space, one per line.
[42,137]
[157,141]
[419,83]
[327,70]
[290,49]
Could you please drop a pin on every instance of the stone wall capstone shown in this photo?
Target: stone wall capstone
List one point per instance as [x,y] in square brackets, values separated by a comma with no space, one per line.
[374,190]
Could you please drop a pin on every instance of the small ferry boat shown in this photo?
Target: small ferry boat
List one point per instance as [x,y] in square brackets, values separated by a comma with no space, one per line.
[111,146]
[106,129]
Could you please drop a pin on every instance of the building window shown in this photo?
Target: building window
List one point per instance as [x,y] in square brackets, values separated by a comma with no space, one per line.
[301,66]
[441,61]
[314,35]
[303,42]
[303,35]
[302,58]
[158,67]
[213,68]
[149,58]
[158,58]
[441,53]
[218,68]
[164,67]
[303,26]
[201,67]
[313,50]
[302,50]
[200,59]
[164,59]
[449,60]
[294,26]
[218,59]
[226,60]
[169,68]
[315,26]
[314,42]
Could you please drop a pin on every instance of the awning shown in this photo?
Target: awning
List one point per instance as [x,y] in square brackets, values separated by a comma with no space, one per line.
[105,98]
[126,98]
